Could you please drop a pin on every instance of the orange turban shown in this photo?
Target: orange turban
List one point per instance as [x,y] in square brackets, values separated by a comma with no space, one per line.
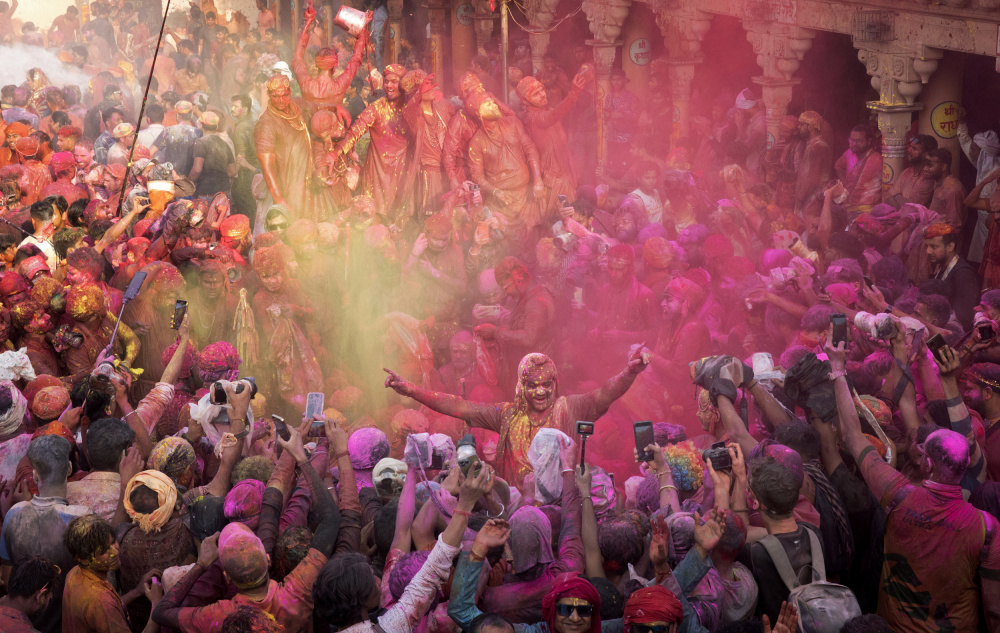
[268,262]
[657,252]
[236,227]
[811,117]
[939,229]
[395,70]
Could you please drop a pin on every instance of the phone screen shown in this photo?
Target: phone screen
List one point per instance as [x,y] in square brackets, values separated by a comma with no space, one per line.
[314,404]
[839,324]
[180,309]
[643,438]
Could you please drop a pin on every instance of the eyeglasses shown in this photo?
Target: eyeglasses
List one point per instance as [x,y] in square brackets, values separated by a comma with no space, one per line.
[650,628]
[582,610]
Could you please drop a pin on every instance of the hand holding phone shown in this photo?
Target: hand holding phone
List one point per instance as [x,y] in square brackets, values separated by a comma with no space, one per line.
[314,404]
[180,309]
[838,322]
[643,437]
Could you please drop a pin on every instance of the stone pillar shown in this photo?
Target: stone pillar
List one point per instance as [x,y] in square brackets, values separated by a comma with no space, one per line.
[540,14]
[898,84]
[779,48]
[392,43]
[484,24]
[463,34]
[637,50]
[606,18]
[942,98]
[683,29]
[437,13]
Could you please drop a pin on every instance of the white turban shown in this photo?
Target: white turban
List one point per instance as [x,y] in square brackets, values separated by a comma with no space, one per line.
[543,455]
[745,100]
[12,417]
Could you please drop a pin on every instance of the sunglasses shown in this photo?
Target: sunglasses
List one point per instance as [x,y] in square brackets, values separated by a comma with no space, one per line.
[650,628]
[582,610]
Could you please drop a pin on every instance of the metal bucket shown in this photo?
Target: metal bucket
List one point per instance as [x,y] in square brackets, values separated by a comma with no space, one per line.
[351,20]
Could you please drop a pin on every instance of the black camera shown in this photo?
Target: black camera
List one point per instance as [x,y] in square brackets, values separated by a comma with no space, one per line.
[219,390]
[719,455]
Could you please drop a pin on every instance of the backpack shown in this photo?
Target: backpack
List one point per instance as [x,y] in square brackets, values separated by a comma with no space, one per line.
[823,606]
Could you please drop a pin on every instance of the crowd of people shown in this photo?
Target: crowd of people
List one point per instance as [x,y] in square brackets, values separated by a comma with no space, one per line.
[299,342]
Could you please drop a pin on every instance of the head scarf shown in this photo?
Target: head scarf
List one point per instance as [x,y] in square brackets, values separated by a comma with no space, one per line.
[23,312]
[242,556]
[219,361]
[525,86]
[394,70]
[503,271]
[13,404]
[622,253]
[530,539]
[789,123]
[50,403]
[244,502]
[687,290]
[166,494]
[18,128]
[572,586]
[878,408]
[171,456]
[85,302]
[534,367]
[324,122]
[469,83]
[543,455]
[278,82]
[652,604]
[62,164]
[122,130]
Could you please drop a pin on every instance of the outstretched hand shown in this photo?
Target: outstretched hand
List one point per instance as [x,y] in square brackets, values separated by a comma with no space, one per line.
[639,358]
[397,383]
[788,620]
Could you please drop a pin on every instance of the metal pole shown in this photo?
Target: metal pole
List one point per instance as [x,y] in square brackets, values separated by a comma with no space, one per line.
[142,111]
[504,37]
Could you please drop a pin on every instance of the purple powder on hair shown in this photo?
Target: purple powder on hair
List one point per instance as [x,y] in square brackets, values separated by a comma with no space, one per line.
[404,570]
[647,496]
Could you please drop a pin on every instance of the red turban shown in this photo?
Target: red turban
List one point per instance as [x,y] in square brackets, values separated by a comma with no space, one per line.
[718,246]
[18,128]
[70,130]
[118,171]
[570,585]
[27,146]
[699,276]
[50,402]
[219,361]
[438,226]
[395,70]
[323,121]
[939,229]
[244,502]
[236,226]
[652,604]
[657,252]
[684,288]
[621,252]
[34,265]
[62,164]
[55,428]
[12,283]
[39,383]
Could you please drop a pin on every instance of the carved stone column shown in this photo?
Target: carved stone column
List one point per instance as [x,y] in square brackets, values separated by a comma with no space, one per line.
[683,29]
[484,24]
[780,48]
[606,18]
[392,43]
[540,14]
[898,84]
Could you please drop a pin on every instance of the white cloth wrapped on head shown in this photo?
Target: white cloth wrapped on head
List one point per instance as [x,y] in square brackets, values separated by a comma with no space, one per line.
[16,364]
[543,455]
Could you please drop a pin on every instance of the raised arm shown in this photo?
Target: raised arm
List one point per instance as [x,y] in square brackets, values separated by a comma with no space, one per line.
[441,402]
[605,395]
[958,413]
[593,561]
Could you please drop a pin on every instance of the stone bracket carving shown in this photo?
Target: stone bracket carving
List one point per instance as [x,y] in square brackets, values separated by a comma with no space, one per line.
[779,48]
[899,76]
